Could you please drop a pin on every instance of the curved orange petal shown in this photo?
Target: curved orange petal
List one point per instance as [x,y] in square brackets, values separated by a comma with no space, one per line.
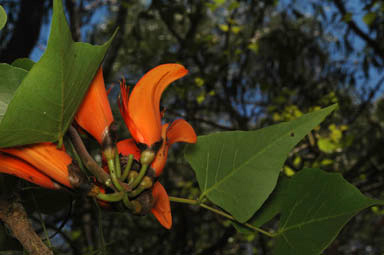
[162,154]
[128,146]
[144,120]
[94,114]
[181,131]
[162,207]
[46,158]
[21,169]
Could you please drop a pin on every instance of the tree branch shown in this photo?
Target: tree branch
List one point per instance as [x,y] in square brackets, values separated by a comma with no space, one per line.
[355,28]
[13,214]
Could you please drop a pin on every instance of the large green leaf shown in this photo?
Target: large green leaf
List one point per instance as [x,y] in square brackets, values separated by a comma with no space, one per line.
[10,79]
[316,206]
[47,99]
[271,207]
[238,170]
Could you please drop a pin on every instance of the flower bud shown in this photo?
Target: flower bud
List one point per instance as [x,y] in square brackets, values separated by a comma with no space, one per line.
[146,183]
[147,157]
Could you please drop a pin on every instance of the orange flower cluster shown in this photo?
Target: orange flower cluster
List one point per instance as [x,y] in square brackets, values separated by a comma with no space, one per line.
[141,113]
[49,167]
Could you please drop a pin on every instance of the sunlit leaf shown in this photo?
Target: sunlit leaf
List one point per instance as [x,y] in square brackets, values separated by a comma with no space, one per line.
[45,103]
[3,17]
[238,170]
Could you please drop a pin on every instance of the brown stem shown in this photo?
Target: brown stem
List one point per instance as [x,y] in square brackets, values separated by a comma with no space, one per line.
[12,213]
[90,163]
[87,160]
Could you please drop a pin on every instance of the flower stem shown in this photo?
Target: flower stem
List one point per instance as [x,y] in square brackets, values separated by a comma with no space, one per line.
[112,172]
[143,171]
[113,197]
[117,164]
[127,168]
[127,203]
[219,212]
[76,155]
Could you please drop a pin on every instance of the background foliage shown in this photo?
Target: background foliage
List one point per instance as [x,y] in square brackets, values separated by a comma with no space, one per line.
[252,64]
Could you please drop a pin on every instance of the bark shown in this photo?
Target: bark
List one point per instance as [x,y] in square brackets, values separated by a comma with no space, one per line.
[12,213]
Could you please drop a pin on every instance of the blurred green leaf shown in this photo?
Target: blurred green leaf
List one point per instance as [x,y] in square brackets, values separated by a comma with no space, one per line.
[10,79]
[239,170]
[24,63]
[3,17]
[315,208]
[369,18]
[347,17]
[46,101]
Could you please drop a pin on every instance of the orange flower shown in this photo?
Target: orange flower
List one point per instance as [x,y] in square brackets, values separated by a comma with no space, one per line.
[141,112]
[178,131]
[162,208]
[49,160]
[94,114]
[21,169]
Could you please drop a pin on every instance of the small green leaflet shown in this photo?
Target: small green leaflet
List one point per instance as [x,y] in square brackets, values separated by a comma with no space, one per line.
[238,170]
[10,78]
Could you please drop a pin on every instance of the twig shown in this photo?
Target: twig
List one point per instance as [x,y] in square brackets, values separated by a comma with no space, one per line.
[90,163]
[219,212]
[87,160]
[352,25]
[12,213]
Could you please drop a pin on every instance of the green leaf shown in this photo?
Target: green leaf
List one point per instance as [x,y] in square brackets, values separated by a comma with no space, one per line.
[3,17]
[46,101]
[238,170]
[369,18]
[316,206]
[269,209]
[10,79]
[24,63]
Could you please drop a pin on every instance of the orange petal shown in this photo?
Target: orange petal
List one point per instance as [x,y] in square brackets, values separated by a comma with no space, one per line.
[123,107]
[94,114]
[19,168]
[128,146]
[181,131]
[162,208]
[158,163]
[144,120]
[46,158]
